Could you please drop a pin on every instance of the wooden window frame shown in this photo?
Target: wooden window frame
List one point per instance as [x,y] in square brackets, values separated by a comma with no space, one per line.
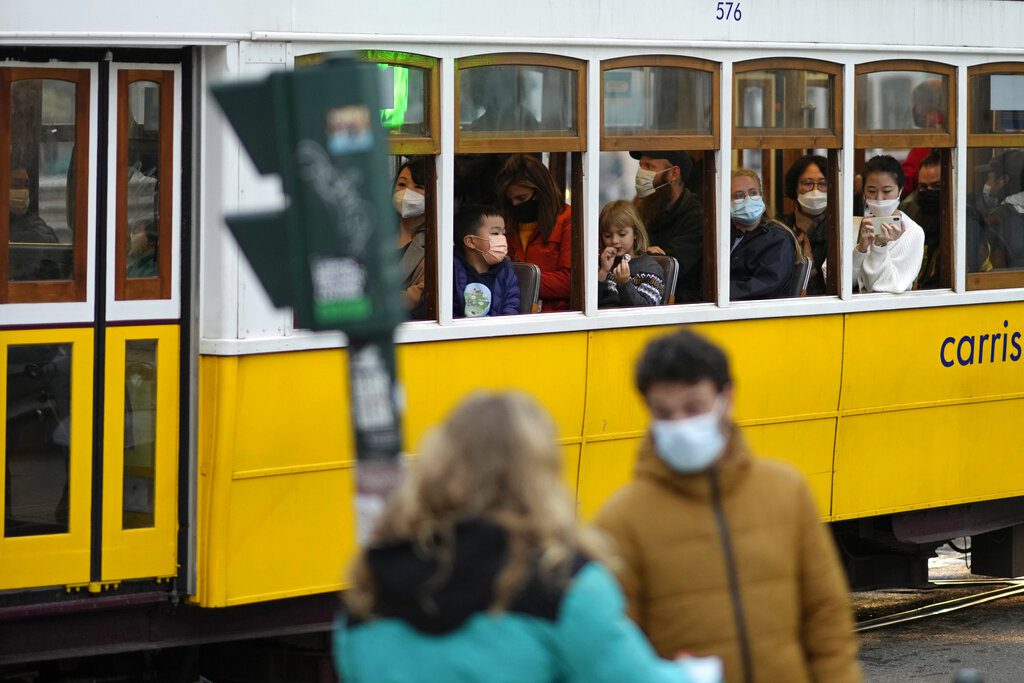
[50,290]
[992,139]
[909,139]
[657,141]
[502,142]
[158,286]
[1004,278]
[415,145]
[779,138]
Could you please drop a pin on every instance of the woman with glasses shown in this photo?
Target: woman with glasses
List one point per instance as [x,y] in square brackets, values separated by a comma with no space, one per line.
[806,183]
[762,260]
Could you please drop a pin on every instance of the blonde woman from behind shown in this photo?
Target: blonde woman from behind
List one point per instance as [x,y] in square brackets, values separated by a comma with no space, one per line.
[478,571]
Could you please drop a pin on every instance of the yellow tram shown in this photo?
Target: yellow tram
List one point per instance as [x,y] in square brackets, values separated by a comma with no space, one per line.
[172,440]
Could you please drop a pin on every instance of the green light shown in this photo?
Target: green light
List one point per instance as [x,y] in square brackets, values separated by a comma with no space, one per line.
[394,118]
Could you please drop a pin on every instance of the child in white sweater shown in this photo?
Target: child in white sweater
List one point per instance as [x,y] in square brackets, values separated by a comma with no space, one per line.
[887,258]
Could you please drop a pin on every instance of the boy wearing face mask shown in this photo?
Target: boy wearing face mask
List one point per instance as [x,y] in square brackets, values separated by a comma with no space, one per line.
[806,183]
[888,256]
[722,553]
[673,216]
[485,281]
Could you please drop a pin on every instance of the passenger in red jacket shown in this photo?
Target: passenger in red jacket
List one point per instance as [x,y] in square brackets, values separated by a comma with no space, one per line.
[539,226]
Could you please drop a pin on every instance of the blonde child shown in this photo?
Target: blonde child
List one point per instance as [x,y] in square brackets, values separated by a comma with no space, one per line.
[627,274]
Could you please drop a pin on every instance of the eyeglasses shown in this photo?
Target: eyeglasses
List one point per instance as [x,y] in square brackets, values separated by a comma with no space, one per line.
[930,187]
[807,185]
[740,194]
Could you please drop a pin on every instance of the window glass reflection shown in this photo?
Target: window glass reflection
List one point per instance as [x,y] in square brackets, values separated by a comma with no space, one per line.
[657,100]
[784,99]
[139,433]
[41,192]
[38,438]
[517,100]
[902,101]
[997,103]
[143,179]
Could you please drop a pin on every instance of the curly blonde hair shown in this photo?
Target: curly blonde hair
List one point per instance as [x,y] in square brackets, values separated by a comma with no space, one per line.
[494,458]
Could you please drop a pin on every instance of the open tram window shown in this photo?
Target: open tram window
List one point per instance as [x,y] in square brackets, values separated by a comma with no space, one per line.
[904,138]
[787,134]
[518,185]
[44,163]
[410,87]
[995,176]
[659,133]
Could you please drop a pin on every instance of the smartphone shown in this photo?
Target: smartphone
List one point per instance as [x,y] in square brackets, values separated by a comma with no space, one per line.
[620,259]
[876,222]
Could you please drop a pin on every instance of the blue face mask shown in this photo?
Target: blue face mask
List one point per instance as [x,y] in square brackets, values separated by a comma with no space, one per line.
[747,211]
[690,445]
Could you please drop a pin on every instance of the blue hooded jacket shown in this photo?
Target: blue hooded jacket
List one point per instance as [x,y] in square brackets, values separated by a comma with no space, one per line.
[500,279]
[572,634]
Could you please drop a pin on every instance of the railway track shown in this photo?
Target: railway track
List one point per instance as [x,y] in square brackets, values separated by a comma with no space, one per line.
[1008,588]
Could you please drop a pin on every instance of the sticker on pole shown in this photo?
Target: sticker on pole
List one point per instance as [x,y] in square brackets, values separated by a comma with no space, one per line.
[339,289]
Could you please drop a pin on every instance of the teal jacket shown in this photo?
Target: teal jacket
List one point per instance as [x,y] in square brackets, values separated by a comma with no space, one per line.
[572,635]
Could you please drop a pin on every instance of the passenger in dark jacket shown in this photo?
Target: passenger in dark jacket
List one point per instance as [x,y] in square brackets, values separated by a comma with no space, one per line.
[763,251]
[673,216]
[806,183]
[626,275]
[485,281]
[478,571]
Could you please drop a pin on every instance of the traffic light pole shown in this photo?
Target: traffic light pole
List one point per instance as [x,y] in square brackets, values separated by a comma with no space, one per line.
[329,254]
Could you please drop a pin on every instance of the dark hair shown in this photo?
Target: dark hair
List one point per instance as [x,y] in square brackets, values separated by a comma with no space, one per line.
[468,219]
[932,159]
[683,357]
[150,227]
[531,172]
[883,163]
[798,168]
[417,169]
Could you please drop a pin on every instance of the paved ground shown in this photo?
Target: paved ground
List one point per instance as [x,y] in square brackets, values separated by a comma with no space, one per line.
[988,638]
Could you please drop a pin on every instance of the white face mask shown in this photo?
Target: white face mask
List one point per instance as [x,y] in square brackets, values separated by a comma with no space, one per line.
[690,445]
[882,207]
[408,203]
[644,182]
[814,202]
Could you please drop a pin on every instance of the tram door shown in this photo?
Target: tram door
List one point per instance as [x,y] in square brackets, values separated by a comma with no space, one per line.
[90,312]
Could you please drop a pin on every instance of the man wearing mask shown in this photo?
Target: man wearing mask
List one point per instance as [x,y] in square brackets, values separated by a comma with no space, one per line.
[673,216]
[923,205]
[27,228]
[720,552]
[1005,222]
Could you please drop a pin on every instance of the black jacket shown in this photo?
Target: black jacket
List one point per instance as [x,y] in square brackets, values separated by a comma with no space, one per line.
[818,235]
[761,264]
[679,231]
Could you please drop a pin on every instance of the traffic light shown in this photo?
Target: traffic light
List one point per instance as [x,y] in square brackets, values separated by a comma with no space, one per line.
[329,254]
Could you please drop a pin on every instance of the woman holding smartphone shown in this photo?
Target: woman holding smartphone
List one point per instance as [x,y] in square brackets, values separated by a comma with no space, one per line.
[890,246]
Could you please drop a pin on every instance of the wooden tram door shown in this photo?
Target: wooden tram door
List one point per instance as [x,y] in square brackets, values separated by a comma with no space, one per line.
[90,323]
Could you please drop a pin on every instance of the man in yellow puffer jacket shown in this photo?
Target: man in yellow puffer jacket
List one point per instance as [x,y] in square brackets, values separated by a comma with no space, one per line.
[722,553]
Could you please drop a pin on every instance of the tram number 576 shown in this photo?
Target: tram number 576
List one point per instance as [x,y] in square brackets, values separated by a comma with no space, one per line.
[728,10]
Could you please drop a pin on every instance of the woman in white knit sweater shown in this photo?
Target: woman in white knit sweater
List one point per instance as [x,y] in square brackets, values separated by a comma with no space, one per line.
[890,260]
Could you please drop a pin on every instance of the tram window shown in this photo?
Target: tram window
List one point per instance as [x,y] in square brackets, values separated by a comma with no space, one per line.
[533,195]
[903,101]
[995,222]
[784,99]
[139,434]
[37,445]
[997,103]
[645,100]
[41,197]
[516,99]
[658,139]
[144,184]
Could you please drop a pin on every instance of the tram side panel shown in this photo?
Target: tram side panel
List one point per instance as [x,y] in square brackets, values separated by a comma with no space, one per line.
[930,408]
[787,373]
